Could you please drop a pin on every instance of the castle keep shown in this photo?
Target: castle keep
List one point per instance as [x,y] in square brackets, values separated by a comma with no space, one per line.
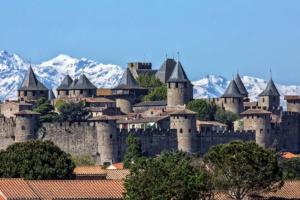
[160,125]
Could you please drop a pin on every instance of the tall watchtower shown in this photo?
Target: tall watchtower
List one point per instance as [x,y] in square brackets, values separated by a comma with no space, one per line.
[26,125]
[179,87]
[184,121]
[293,103]
[64,87]
[232,99]
[269,99]
[259,120]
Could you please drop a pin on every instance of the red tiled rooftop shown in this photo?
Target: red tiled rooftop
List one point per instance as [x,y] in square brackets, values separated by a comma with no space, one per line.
[16,189]
[89,170]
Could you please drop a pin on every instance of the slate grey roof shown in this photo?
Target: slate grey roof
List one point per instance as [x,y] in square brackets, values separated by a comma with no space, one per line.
[232,91]
[51,95]
[83,83]
[241,85]
[65,84]
[270,90]
[150,103]
[127,81]
[165,70]
[178,74]
[30,82]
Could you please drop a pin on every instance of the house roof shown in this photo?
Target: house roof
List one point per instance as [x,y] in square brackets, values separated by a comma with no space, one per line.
[270,90]
[83,83]
[289,155]
[16,189]
[256,112]
[241,85]
[116,166]
[150,103]
[232,91]
[165,70]
[27,112]
[183,112]
[117,174]
[178,74]
[292,97]
[89,170]
[65,84]
[31,83]
[78,189]
[127,81]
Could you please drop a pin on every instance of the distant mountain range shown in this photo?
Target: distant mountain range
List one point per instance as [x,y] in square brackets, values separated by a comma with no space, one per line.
[13,69]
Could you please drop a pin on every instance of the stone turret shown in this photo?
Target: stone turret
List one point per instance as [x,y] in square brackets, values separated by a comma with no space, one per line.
[82,87]
[293,103]
[180,89]
[31,88]
[26,125]
[128,92]
[63,88]
[232,99]
[269,99]
[106,129]
[259,120]
[184,121]
[241,86]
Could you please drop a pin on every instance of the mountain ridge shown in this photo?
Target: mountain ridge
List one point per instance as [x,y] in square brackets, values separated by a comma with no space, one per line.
[51,72]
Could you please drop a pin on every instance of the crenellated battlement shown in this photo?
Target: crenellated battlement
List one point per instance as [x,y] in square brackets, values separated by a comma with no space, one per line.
[149,131]
[240,134]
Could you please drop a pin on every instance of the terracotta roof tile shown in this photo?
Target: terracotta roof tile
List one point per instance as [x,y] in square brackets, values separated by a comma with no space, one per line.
[116,166]
[16,189]
[78,189]
[256,111]
[89,170]
[117,174]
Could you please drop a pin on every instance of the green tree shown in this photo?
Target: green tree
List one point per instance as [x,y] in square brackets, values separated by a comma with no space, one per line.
[35,160]
[204,109]
[169,176]
[44,107]
[72,111]
[225,117]
[290,168]
[149,81]
[157,94]
[133,150]
[242,168]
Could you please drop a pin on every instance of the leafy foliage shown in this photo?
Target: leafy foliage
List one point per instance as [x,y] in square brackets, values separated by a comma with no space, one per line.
[44,107]
[205,110]
[133,150]
[226,117]
[35,160]
[157,94]
[291,168]
[149,81]
[169,176]
[72,112]
[84,160]
[241,168]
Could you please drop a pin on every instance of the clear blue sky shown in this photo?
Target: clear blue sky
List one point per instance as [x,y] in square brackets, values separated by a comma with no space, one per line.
[213,37]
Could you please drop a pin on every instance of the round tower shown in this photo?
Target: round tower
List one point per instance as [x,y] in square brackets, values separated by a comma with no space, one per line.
[232,99]
[124,104]
[184,121]
[106,139]
[259,120]
[180,89]
[269,99]
[26,125]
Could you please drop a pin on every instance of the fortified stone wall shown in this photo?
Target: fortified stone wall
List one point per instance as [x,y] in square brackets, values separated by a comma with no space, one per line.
[290,131]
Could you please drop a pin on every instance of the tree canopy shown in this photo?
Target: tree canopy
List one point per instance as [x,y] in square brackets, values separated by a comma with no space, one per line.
[157,94]
[71,112]
[169,176]
[46,110]
[149,81]
[242,168]
[35,160]
[290,168]
[133,151]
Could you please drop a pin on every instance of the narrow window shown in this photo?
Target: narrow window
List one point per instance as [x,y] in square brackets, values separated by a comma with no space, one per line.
[176,85]
[181,130]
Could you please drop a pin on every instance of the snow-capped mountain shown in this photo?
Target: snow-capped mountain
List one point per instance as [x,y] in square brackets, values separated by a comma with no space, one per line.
[13,69]
[214,86]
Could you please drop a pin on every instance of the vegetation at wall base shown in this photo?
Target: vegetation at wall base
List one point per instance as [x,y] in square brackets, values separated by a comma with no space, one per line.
[133,152]
[35,160]
[290,168]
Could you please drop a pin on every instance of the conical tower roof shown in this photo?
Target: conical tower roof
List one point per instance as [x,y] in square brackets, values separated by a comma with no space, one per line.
[30,82]
[270,90]
[51,95]
[232,91]
[83,83]
[165,70]
[65,84]
[127,81]
[241,85]
[178,74]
